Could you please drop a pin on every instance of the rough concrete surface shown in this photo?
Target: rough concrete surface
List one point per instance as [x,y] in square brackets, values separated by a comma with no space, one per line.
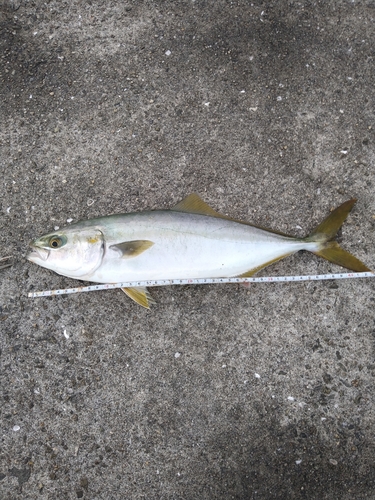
[266,110]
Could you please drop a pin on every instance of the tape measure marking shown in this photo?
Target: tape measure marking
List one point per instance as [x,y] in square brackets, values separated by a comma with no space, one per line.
[200,281]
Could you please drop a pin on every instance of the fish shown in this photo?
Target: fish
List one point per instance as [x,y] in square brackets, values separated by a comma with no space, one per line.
[190,240]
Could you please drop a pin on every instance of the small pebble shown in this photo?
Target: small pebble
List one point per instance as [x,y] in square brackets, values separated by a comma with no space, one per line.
[177,355]
[16,428]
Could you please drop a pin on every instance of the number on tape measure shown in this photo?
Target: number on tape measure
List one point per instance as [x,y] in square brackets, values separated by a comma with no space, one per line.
[199,281]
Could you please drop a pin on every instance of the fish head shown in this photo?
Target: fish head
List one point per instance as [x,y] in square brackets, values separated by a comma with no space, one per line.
[75,252]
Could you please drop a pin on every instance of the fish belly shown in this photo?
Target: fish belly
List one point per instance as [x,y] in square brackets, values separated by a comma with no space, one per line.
[188,246]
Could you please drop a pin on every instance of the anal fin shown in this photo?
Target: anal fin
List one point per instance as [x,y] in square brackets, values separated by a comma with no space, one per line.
[251,272]
[140,295]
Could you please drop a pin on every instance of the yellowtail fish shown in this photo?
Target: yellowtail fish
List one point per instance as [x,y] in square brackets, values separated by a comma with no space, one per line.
[191,240]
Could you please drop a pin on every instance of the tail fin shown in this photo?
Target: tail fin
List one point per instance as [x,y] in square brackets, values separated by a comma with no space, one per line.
[331,250]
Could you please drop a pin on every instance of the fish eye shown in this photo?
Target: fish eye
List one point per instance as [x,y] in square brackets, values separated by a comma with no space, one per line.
[55,242]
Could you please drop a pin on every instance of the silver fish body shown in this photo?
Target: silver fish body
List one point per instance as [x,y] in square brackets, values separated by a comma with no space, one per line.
[189,241]
[184,246]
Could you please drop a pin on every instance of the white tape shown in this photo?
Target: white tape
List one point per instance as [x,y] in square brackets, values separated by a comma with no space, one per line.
[200,281]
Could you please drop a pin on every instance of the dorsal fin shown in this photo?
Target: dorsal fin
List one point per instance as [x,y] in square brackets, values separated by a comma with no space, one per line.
[193,204]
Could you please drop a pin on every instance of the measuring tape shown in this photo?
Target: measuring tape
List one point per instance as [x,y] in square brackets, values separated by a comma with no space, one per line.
[199,281]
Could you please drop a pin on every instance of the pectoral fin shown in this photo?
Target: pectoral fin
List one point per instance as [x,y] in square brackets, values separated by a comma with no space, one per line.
[140,295]
[133,248]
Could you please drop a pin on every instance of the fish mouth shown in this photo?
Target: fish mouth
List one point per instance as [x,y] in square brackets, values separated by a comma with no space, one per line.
[37,253]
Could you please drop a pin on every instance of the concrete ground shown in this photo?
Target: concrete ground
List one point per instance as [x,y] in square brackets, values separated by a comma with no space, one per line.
[266,110]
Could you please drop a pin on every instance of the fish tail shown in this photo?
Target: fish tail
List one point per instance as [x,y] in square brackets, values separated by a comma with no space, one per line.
[329,249]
